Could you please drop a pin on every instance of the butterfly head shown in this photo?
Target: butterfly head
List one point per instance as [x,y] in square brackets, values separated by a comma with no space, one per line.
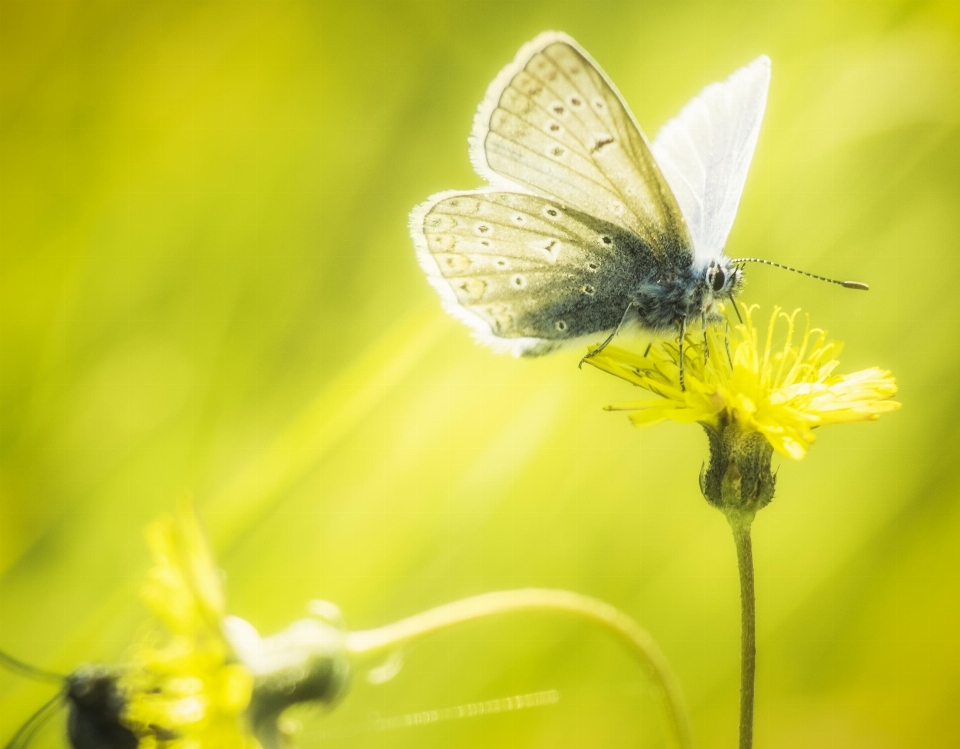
[722,278]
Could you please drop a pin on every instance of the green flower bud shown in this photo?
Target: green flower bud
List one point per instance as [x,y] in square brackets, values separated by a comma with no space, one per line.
[738,478]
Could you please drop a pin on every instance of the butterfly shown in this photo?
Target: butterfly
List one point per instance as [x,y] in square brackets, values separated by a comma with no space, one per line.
[586,228]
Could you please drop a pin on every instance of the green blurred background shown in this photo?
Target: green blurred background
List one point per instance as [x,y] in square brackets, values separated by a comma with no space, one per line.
[208,286]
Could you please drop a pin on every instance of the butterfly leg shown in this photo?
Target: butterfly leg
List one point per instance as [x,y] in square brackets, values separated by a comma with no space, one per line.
[726,343]
[610,337]
[706,347]
[735,308]
[647,350]
[683,334]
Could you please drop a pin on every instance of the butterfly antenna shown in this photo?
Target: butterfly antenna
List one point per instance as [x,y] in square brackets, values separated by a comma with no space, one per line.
[34,723]
[845,284]
[31,672]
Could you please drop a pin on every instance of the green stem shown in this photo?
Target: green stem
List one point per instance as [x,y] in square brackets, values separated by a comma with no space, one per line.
[405,631]
[748,624]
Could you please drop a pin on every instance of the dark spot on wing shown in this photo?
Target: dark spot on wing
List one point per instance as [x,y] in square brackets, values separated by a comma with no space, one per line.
[601,144]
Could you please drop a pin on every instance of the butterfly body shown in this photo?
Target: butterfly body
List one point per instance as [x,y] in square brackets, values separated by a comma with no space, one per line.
[582,230]
[668,301]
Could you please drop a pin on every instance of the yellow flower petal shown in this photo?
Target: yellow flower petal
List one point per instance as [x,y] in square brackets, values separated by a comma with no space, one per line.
[187,692]
[782,388]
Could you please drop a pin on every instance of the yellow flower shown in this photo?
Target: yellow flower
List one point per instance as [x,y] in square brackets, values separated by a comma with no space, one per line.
[187,692]
[777,386]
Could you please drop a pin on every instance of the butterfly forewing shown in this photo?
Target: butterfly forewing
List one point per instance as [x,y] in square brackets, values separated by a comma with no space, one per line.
[705,152]
[525,269]
[554,124]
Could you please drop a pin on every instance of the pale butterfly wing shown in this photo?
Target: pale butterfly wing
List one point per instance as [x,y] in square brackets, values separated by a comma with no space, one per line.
[527,273]
[705,152]
[553,124]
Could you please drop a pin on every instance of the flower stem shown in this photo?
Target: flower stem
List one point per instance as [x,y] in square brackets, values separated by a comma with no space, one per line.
[405,631]
[748,624]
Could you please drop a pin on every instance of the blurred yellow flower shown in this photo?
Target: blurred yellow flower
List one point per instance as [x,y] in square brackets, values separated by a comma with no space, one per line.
[188,692]
[777,387]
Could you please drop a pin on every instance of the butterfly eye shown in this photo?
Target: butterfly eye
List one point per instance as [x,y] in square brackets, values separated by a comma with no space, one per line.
[718,280]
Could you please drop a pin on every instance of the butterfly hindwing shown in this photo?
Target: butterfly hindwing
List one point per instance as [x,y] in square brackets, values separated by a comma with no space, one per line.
[527,273]
[553,123]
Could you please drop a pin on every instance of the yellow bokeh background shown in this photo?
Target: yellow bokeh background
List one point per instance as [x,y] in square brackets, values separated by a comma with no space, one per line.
[207,286]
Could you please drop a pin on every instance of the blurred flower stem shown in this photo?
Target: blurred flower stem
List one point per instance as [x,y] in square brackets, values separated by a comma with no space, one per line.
[211,680]
[373,642]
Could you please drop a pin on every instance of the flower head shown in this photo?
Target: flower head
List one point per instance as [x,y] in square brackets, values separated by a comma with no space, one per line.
[188,691]
[783,386]
[212,680]
[754,391]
